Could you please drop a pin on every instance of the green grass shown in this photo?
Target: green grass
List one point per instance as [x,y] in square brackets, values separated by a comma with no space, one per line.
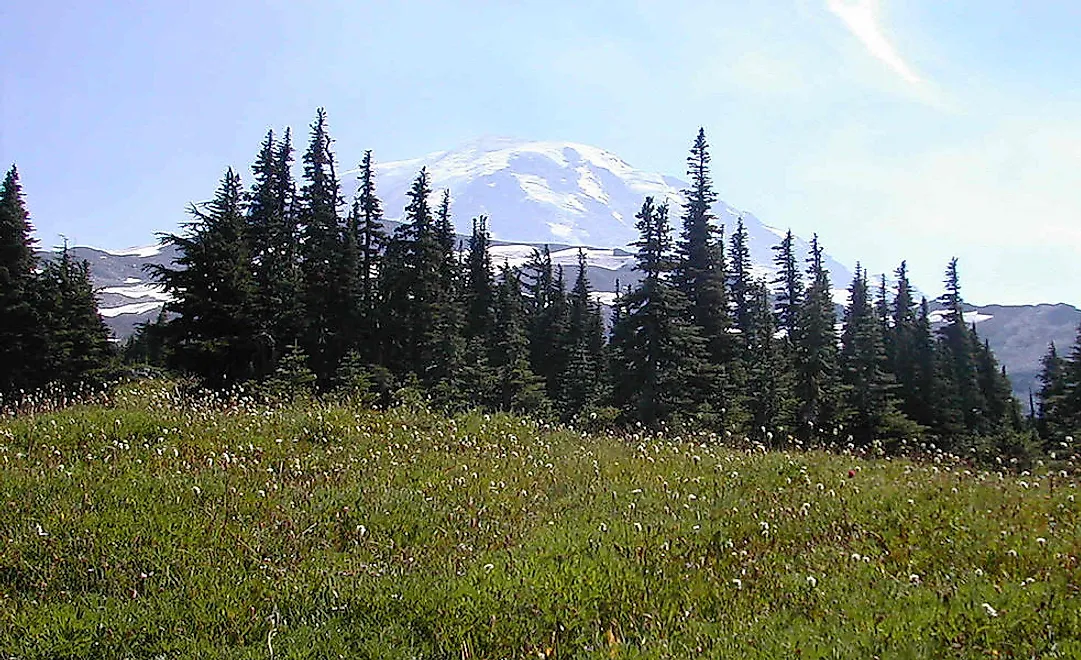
[154,527]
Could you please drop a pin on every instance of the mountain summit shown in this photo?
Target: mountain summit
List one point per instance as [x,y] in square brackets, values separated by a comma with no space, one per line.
[560,193]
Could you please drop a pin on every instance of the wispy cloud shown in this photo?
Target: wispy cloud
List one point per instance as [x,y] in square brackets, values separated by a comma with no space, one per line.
[861,17]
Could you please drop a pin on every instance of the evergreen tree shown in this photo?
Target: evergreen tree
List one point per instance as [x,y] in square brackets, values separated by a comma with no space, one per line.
[910,352]
[517,388]
[1002,410]
[817,371]
[963,401]
[1070,405]
[417,315]
[700,272]
[448,242]
[213,292]
[789,286]
[583,375]
[771,410]
[479,293]
[147,345]
[78,347]
[328,265]
[662,357]
[1049,418]
[366,232]
[548,316]
[871,406]
[274,246]
[21,340]
[740,280]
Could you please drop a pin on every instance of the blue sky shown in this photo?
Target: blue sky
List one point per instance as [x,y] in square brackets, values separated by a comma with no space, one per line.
[918,130]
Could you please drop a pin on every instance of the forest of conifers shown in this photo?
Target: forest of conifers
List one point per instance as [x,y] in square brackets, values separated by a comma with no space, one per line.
[284,287]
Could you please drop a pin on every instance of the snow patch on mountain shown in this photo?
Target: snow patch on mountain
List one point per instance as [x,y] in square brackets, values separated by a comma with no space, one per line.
[939,316]
[142,252]
[138,291]
[133,308]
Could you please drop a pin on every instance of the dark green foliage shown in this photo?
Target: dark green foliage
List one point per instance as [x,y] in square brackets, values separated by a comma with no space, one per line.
[1060,396]
[789,286]
[368,212]
[77,346]
[292,377]
[328,260]
[868,385]
[740,278]
[910,352]
[517,388]
[213,333]
[1051,422]
[582,378]
[148,345]
[274,247]
[661,373]
[412,290]
[771,409]
[975,394]
[817,386]
[353,381]
[700,273]
[21,341]
[697,342]
[479,291]
[547,318]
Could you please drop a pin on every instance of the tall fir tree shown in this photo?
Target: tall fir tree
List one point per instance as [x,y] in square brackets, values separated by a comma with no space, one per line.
[1070,405]
[477,304]
[910,352]
[548,316]
[274,245]
[817,371]
[479,290]
[662,357]
[1002,411]
[21,339]
[517,388]
[583,374]
[78,346]
[871,407]
[1050,422]
[327,263]
[371,238]
[962,404]
[771,410]
[700,272]
[741,278]
[214,328]
[788,284]
[414,295]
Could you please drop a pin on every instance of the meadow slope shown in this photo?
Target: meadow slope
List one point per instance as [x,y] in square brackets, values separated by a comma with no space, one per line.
[154,526]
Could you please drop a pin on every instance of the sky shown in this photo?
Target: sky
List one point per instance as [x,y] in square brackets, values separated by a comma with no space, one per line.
[917,130]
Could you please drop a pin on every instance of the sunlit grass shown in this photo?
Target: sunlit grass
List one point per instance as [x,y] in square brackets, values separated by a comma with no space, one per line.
[157,526]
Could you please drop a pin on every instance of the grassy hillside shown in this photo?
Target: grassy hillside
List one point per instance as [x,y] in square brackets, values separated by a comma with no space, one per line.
[157,527]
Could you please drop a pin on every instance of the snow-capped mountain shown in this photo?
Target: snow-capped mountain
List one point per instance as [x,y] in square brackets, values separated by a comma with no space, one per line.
[561,193]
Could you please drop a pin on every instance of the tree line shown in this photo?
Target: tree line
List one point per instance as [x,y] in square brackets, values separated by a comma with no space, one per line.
[286,284]
[289,274]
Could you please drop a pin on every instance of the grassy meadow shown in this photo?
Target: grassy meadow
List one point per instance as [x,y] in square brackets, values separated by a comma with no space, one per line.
[156,526]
